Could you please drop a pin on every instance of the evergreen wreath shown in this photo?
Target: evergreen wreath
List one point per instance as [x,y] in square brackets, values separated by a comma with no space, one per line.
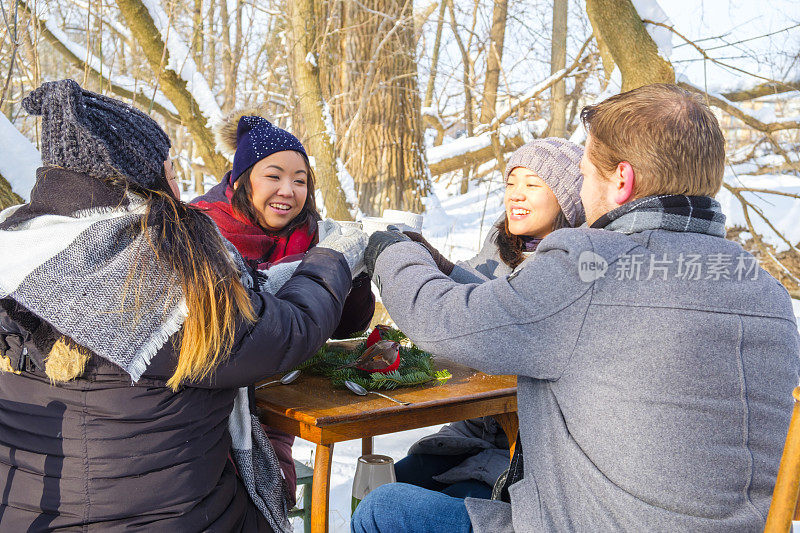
[416,366]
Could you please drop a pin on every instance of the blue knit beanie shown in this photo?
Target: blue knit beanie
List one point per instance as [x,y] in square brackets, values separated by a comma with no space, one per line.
[257,138]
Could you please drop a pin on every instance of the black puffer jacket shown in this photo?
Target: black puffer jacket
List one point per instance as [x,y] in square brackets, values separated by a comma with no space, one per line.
[98,454]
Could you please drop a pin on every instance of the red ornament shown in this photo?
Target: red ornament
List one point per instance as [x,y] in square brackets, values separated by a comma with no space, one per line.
[381,357]
[379,333]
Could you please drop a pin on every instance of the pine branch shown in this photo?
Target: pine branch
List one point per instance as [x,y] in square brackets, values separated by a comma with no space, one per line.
[416,366]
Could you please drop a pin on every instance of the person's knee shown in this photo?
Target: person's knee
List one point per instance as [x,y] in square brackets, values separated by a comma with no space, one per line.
[379,506]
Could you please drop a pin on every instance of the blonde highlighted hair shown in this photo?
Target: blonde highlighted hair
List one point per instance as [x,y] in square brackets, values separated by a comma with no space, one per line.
[187,243]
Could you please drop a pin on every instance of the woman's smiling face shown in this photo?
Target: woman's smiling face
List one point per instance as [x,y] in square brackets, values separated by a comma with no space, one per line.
[280,187]
[531,207]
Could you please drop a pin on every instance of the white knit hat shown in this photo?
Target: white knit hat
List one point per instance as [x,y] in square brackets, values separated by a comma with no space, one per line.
[556,161]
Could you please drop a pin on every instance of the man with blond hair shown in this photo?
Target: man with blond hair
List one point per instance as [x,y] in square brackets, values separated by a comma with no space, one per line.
[655,358]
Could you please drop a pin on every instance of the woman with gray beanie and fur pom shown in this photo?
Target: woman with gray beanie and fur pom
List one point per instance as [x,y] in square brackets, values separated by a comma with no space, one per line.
[130,330]
[542,194]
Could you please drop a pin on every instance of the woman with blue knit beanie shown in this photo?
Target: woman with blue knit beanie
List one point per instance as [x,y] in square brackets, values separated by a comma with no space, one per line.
[265,206]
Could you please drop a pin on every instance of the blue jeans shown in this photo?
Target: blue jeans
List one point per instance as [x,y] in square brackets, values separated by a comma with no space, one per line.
[419,468]
[399,507]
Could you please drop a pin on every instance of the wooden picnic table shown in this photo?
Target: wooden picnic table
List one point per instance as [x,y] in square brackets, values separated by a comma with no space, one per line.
[310,408]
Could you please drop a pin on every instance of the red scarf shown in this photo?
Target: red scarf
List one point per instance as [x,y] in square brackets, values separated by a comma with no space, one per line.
[251,240]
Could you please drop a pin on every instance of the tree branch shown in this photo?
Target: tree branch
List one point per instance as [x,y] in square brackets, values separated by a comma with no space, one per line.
[121,86]
[730,108]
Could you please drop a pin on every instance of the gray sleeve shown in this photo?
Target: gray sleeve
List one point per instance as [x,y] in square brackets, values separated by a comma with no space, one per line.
[481,267]
[463,273]
[526,324]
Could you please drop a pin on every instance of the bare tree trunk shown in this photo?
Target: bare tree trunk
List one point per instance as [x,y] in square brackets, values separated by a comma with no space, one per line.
[605,54]
[558,61]
[210,73]
[494,59]
[467,72]
[435,58]
[382,140]
[309,92]
[145,32]
[618,24]
[197,34]
[229,52]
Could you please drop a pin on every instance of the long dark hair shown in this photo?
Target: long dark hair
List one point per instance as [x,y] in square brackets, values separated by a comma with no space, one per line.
[187,243]
[511,247]
[242,201]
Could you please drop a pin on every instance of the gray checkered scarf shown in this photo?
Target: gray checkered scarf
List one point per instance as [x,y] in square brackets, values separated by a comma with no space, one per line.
[70,263]
[675,212]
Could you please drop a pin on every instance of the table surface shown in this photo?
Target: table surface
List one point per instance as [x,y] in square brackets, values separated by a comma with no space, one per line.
[312,409]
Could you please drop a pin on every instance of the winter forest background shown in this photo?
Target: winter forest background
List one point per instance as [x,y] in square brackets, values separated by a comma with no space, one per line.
[415,105]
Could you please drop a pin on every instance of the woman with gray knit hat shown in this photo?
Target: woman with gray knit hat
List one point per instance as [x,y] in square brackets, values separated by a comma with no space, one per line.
[129,331]
[543,184]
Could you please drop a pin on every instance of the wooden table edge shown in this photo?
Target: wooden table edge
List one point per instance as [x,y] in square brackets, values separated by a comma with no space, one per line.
[390,420]
[324,421]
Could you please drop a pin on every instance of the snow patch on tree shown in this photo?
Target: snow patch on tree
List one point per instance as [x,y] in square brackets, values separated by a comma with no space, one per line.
[650,10]
[348,186]
[311,59]
[328,119]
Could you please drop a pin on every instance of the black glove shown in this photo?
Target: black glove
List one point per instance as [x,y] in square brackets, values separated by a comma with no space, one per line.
[444,265]
[378,242]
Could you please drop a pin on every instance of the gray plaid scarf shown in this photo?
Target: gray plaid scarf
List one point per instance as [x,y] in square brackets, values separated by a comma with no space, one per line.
[675,212]
[70,264]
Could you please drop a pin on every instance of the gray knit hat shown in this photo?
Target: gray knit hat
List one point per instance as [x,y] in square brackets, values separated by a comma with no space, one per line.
[556,161]
[97,135]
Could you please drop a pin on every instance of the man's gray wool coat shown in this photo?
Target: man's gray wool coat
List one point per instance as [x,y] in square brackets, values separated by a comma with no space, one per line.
[483,438]
[656,404]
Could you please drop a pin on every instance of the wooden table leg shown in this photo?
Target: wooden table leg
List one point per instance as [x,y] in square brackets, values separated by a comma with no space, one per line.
[320,488]
[366,446]
[510,424]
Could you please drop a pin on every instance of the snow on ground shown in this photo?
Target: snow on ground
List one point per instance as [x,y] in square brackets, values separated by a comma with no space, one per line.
[20,159]
[345,455]
[459,223]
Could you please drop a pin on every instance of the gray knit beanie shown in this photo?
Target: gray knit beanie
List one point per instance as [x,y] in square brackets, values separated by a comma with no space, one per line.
[556,161]
[97,135]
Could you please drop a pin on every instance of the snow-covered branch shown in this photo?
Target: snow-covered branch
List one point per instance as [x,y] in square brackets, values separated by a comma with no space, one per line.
[121,85]
[181,62]
[475,150]
[719,101]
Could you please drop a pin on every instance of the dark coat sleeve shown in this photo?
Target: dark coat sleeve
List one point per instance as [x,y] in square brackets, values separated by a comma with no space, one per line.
[358,308]
[290,325]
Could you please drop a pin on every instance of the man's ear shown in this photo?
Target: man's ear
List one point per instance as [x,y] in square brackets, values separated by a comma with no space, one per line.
[625,177]
[235,185]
